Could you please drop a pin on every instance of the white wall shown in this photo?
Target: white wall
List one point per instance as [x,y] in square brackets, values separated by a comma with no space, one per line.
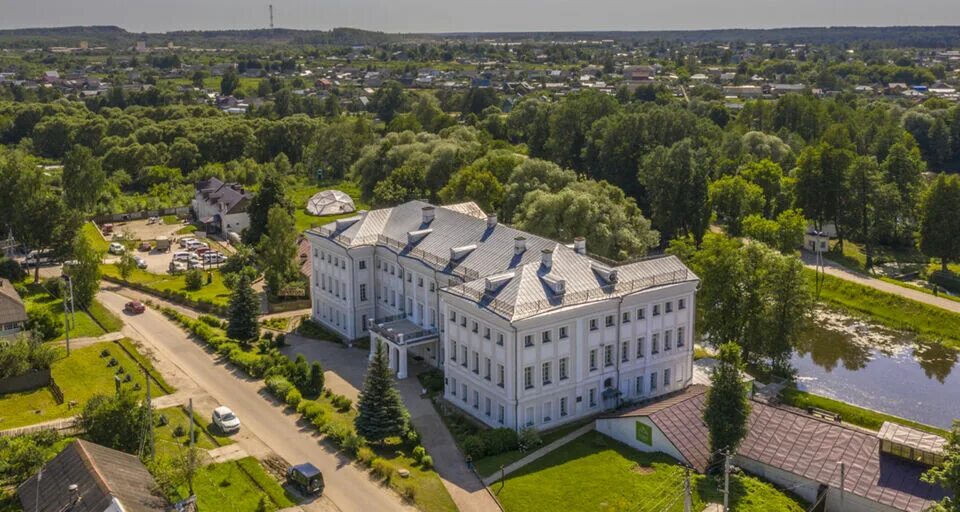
[625,431]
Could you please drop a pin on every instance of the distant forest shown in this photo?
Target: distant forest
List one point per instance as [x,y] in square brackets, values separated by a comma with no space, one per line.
[918,37]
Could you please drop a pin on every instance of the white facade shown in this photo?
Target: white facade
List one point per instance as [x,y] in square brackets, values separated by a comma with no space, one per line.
[224,203]
[570,360]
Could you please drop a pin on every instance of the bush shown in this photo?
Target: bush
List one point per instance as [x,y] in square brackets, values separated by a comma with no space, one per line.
[179,431]
[268,336]
[426,462]
[44,324]
[341,403]
[352,442]
[193,280]
[365,455]
[319,422]
[279,386]
[408,490]
[500,440]
[226,349]
[419,453]
[252,363]
[11,270]
[475,447]
[529,439]
[212,321]
[280,340]
[432,381]
[382,468]
[293,397]
[312,409]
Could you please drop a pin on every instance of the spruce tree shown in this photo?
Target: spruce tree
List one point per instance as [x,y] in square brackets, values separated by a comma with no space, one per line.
[381,411]
[244,308]
[727,407]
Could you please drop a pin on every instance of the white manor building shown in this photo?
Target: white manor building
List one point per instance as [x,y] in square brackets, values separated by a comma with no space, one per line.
[528,331]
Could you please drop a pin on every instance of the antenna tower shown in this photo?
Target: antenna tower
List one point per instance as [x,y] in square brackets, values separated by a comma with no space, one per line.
[271,16]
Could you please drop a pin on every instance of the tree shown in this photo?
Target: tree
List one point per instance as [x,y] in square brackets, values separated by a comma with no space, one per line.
[243,311]
[785,233]
[126,264]
[114,421]
[381,413]
[229,82]
[316,378]
[598,211]
[676,183]
[533,175]
[734,198]
[863,182]
[473,183]
[570,122]
[193,280]
[940,223]
[904,168]
[83,179]
[727,408]
[947,474]
[85,270]
[278,249]
[768,176]
[389,99]
[273,192]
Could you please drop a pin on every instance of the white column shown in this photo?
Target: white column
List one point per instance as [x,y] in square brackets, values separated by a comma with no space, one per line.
[393,356]
[402,373]
[373,345]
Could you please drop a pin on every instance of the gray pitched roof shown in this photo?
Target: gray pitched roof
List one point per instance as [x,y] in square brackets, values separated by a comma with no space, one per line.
[101,475]
[12,309]
[524,285]
[232,196]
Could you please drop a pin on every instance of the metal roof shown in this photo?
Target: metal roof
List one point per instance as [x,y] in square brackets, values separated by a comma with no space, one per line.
[12,309]
[911,437]
[800,444]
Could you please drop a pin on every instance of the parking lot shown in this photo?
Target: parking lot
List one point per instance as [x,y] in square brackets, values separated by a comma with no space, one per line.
[144,230]
[157,261]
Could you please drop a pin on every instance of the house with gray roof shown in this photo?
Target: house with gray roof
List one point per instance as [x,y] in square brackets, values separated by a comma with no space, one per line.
[13,314]
[528,331]
[221,207]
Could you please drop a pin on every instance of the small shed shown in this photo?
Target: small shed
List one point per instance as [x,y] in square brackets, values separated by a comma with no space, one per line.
[816,241]
[330,202]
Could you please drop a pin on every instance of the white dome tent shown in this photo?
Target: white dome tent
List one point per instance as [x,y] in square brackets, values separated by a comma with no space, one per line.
[330,202]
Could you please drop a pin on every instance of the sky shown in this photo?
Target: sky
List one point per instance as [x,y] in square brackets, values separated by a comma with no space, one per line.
[475,15]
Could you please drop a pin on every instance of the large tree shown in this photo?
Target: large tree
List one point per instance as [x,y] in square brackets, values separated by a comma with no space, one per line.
[244,308]
[278,249]
[84,271]
[727,408]
[940,224]
[380,410]
[272,192]
[734,198]
[83,179]
[114,421]
[533,175]
[676,181]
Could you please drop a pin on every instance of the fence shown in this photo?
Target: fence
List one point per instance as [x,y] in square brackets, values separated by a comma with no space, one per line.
[179,211]
[26,382]
[65,426]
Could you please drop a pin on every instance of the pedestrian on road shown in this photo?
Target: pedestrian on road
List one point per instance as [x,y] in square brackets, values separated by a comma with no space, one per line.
[469,462]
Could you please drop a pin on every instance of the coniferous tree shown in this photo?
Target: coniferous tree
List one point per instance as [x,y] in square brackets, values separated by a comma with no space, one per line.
[727,407]
[381,411]
[244,307]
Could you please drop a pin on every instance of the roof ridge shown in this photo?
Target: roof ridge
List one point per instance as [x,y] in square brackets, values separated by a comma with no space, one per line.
[90,463]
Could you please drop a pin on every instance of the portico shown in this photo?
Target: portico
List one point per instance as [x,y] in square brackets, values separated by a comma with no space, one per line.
[401,336]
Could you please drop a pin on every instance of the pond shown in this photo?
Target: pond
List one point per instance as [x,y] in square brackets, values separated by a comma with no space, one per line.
[857,362]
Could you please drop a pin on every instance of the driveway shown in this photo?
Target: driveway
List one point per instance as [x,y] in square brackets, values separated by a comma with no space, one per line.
[266,425]
[344,369]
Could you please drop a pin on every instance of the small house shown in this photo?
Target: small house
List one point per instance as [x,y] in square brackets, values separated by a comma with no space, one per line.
[13,314]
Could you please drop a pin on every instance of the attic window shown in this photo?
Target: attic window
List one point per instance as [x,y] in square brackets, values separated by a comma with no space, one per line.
[458,253]
[415,236]
[606,273]
[556,285]
[345,223]
[493,283]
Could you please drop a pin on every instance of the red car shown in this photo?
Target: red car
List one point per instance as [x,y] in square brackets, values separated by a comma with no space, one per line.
[134,307]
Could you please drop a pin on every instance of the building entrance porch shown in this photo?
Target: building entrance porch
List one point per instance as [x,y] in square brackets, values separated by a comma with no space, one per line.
[404,339]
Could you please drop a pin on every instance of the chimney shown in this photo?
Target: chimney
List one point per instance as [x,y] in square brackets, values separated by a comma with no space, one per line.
[428,213]
[491,220]
[546,258]
[519,245]
[580,245]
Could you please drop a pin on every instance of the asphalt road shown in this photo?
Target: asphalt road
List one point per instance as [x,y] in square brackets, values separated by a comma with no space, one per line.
[349,488]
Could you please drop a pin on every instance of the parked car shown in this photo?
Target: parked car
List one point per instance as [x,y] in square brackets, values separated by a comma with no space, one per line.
[153,220]
[141,263]
[177,266]
[35,258]
[134,307]
[192,264]
[145,246]
[184,241]
[163,243]
[196,244]
[306,478]
[213,258]
[116,248]
[225,419]
[183,256]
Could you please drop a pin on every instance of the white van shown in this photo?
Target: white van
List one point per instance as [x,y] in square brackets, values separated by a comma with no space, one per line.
[183,256]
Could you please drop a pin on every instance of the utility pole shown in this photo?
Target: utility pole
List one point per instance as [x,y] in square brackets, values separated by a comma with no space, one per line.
[190,461]
[149,414]
[687,498]
[843,478]
[726,481]
[271,16]
[67,310]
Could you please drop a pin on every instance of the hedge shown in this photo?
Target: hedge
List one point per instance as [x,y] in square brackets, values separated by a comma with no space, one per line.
[177,297]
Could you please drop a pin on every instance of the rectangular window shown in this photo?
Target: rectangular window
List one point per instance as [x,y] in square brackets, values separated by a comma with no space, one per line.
[656,309]
[666,378]
[476,363]
[593,324]
[626,318]
[547,410]
[680,340]
[453,316]
[475,327]
[499,375]
[363,322]
[546,374]
[528,340]
[545,337]
[476,399]
[463,388]
[433,288]
[638,386]
[608,321]
[500,414]
[486,406]
[463,320]
[655,343]
[453,387]
[393,270]
[640,343]
[528,377]
[420,282]
[641,314]
[453,350]
[668,307]
[625,352]
[667,340]
[486,332]
[593,397]
[464,354]
[563,332]
[608,355]
[362,264]
[593,359]
[653,382]
[564,362]
[500,339]
[681,303]
[409,276]
[563,406]
[486,368]
[363,293]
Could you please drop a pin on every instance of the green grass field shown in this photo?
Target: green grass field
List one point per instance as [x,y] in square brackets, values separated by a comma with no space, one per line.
[928,322]
[81,375]
[168,443]
[490,465]
[215,292]
[301,192]
[236,485]
[865,418]
[595,472]
[96,240]
[38,298]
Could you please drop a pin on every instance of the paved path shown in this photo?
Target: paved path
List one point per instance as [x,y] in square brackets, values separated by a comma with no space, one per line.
[267,427]
[344,371]
[539,452]
[836,270]
[90,340]
[227,453]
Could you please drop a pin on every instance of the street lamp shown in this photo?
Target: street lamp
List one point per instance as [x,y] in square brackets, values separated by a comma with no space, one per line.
[68,315]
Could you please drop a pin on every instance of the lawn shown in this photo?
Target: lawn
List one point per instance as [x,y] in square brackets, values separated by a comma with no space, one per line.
[38,298]
[301,192]
[865,418]
[96,239]
[167,442]
[236,485]
[81,375]
[215,292]
[928,322]
[595,472]
[490,465]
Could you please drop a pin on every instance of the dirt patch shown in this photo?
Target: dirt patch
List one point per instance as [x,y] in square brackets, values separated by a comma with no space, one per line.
[642,470]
